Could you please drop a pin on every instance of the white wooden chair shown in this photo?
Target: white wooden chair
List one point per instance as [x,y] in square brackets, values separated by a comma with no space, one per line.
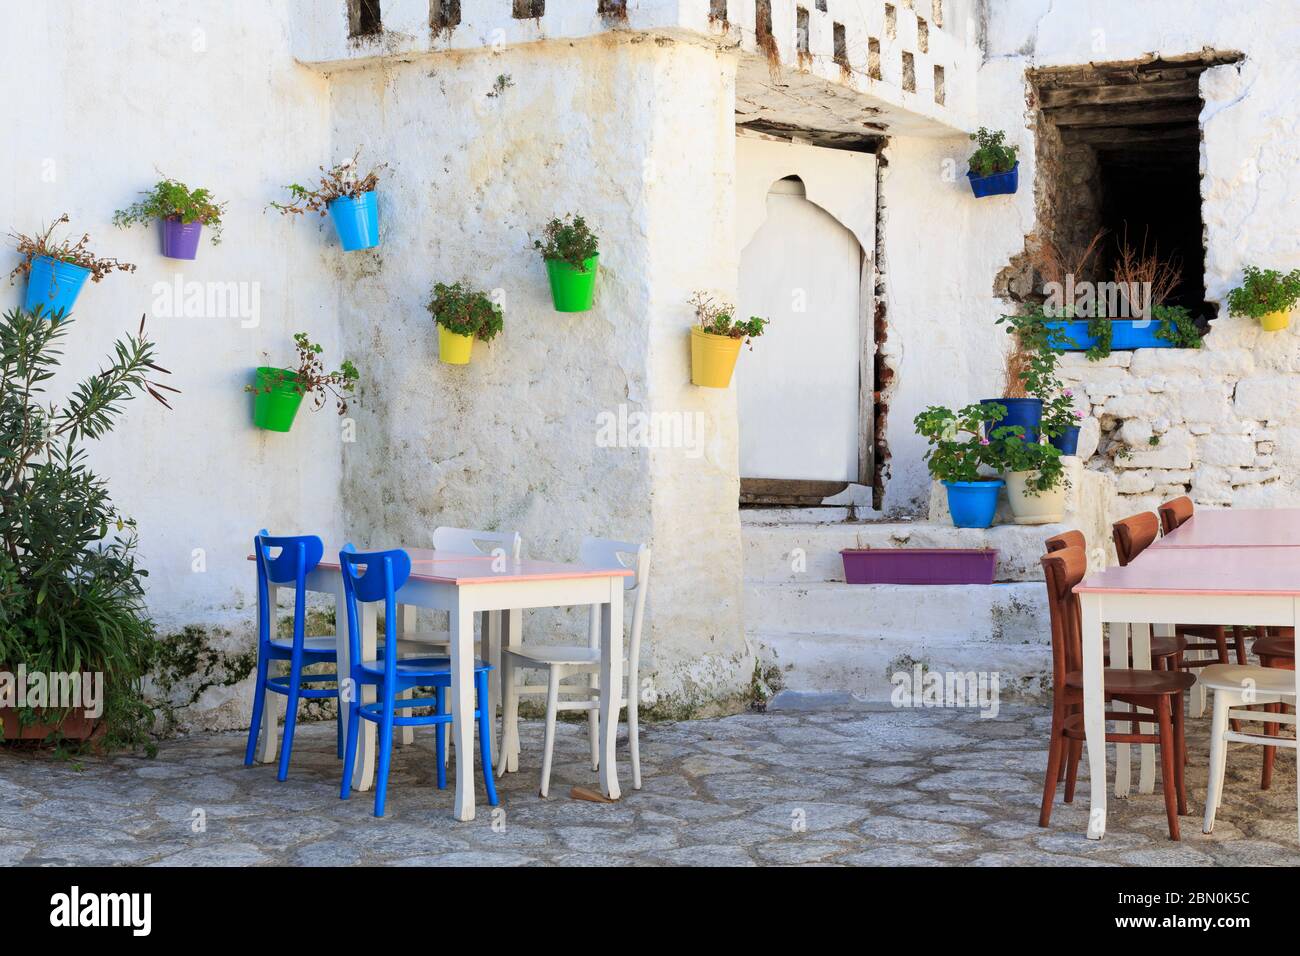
[1239,685]
[413,641]
[562,662]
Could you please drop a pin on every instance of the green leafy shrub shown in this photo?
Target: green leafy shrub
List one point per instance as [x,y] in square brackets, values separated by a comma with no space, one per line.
[992,155]
[958,447]
[172,199]
[336,182]
[1263,291]
[71,596]
[63,250]
[310,377]
[1015,453]
[465,311]
[718,318]
[1176,326]
[568,240]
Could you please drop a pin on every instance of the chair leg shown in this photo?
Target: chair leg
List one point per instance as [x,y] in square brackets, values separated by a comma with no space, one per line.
[385,751]
[485,735]
[593,720]
[1180,748]
[1218,758]
[259,701]
[440,745]
[1055,764]
[350,750]
[290,718]
[1168,760]
[634,736]
[548,746]
[1239,638]
[1270,753]
[338,727]
[1075,752]
[507,754]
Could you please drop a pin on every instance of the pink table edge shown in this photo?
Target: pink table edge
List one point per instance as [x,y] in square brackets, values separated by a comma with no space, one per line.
[1245,523]
[455,568]
[1260,571]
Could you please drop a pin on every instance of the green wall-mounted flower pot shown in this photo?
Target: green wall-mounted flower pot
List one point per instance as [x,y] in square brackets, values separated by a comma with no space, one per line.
[572,289]
[274,410]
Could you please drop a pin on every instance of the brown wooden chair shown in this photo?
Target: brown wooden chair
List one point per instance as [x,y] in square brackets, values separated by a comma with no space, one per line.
[1132,536]
[1275,649]
[1175,512]
[1159,691]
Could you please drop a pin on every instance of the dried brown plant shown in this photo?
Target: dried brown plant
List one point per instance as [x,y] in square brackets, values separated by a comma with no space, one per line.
[1137,268]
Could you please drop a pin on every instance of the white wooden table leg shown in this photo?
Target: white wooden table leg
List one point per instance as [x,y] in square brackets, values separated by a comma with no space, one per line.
[1141,660]
[1119,657]
[268,738]
[491,647]
[343,650]
[406,622]
[1094,712]
[363,774]
[462,705]
[511,636]
[611,685]
[1196,699]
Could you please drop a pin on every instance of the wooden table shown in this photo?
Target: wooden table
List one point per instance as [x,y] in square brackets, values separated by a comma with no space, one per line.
[1193,585]
[1236,528]
[463,585]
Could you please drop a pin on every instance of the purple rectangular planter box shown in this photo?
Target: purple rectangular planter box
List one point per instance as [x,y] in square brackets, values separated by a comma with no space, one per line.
[919,565]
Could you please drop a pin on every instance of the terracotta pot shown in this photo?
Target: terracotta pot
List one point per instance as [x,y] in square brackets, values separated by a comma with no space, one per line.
[72,724]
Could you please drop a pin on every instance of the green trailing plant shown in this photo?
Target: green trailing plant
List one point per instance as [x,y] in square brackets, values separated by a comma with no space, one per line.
[568,240]
[336,182]
[1037,367]
[71,595]
[719,318]
[1263,291]
[1015,453]
[957,447]
[310,377]
[172,199]
[991,155]
[1176,326]
[63,250]
[465,311]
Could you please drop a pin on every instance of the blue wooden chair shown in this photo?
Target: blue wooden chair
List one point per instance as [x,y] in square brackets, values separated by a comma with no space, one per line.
[298,557]
[377,576]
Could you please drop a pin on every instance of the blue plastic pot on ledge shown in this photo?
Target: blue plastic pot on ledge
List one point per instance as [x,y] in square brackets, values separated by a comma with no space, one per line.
[973,503]
[1024,412]
[995,184]
[1072,335]
[1068,442]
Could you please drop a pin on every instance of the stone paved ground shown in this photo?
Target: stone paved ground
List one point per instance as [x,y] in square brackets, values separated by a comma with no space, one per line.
[873,786]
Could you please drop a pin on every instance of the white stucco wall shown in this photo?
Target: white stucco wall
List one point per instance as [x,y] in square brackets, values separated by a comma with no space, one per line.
[214,99]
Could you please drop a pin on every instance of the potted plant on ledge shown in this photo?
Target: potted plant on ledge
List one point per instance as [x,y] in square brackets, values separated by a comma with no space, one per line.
[716,339]
[994,169]
[960,456]
[57,269]
[1266,295]
[462,315]
[571,252]
[279,391]
[1035,476]
[348,198]
[183,213]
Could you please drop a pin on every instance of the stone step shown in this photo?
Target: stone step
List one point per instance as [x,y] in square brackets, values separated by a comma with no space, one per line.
[810,553]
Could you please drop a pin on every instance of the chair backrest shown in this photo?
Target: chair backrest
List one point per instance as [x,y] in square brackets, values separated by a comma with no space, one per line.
[298,556]
[1133,535]
[607,553]
[1063,570]
[1174,513]
[1066,539]
[470,541]
[373,576]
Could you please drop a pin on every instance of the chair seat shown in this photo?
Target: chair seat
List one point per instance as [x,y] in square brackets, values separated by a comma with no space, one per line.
[1265,680]
[1167,645]
[543,655]
[418,667]
[1275,645]
[316,646]
[1137,682]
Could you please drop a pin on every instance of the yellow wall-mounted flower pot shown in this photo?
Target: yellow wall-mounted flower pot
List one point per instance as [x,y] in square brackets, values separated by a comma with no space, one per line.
[1275,321]
[454,349]
[713,358]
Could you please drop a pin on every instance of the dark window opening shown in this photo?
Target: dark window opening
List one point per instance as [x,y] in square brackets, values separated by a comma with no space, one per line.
[613,10]
[528,9]
[922,36]
[873,58]
[821,6]
[444,15]
[840,45]
[718,11]
[763,20]
[364,18]
[801,31]
[909,72]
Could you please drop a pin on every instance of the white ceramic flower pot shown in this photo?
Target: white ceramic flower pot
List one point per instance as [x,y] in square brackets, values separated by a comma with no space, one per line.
[1046,507]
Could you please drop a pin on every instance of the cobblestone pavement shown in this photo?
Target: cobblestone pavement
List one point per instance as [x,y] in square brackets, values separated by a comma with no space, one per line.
[855,786]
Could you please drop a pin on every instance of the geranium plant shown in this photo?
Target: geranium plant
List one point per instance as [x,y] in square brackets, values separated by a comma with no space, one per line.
[63,250]
[465,311]
[336,182]
[719,318]
[992,155]
[1263,291]
[958,448]
[568,240]
[1016,454]
[310,377]
[172,199]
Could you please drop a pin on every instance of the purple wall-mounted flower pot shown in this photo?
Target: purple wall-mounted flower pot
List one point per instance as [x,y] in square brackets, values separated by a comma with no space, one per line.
[180,240]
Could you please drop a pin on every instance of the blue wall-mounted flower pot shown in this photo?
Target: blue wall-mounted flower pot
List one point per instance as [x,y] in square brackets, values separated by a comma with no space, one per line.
[53,286]
[995,184]
[357,221]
